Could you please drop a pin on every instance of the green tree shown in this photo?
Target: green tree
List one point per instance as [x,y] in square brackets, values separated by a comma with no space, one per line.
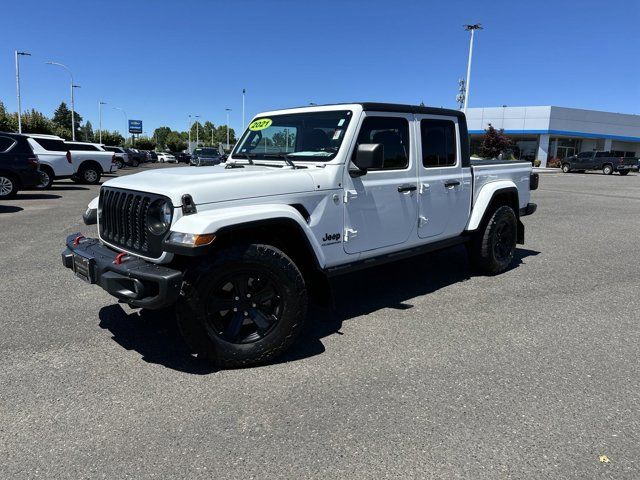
[221,135]
[34,121]
[145,143]
[175,142]
[113,139]
[208,133]
[8,121]
[86,132]
[160,135]
[62,118]
[494,142]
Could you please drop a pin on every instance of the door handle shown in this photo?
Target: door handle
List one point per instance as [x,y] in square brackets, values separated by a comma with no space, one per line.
[407,188]
[451,184]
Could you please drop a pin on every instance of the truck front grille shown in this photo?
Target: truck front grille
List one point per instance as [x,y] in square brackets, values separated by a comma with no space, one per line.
[122,221]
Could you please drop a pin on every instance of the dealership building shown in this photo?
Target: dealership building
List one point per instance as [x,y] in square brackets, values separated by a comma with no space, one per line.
[546,133]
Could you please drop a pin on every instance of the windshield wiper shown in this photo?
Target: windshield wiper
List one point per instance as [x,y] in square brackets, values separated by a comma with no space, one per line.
[246,155]
[285,156]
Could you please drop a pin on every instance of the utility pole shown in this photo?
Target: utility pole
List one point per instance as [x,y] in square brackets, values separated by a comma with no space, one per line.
[227,110]
[243,95]
[197,133]
[471,28]
[189,147]
[18,54]
[100,103]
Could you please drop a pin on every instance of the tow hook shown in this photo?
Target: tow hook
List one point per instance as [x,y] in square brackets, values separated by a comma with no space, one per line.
[121,257]
[76,241]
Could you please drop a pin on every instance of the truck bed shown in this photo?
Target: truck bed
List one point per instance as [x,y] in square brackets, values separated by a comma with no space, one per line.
[487,171]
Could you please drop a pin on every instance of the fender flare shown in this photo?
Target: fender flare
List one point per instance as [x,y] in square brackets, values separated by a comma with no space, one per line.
[224,219]
[485,196]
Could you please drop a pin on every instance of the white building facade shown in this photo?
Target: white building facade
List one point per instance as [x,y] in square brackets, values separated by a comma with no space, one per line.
[553,133]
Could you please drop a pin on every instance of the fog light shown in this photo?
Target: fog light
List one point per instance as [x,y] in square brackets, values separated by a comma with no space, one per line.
[191,239]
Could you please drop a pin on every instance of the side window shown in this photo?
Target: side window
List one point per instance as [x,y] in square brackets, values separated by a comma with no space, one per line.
[6,143]
[584,155]
[51,144]
[438,143]
[393,134]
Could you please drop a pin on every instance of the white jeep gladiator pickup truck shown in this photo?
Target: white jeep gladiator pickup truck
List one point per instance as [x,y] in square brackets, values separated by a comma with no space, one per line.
[307,193]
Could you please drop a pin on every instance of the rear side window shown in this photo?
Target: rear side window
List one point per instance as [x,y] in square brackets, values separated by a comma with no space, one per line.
[602,154]
[393,134]
[585,155]
[438,143]
[79,147]
[6,143]
[51,144]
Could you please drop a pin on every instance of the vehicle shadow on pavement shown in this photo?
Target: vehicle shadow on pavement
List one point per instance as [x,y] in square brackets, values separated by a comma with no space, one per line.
[386,286]
[155,335]
[66,187]
[35,196]
[10,209]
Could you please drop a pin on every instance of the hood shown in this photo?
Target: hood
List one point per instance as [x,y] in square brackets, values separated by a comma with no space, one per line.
[217,183]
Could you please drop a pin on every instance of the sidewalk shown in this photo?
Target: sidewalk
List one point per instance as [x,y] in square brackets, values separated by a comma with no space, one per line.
[546,170]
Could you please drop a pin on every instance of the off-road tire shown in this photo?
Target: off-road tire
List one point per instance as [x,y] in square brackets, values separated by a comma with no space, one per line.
[492,247]
[566,168]
[8,186]
[623,172]
[195,313]
[46,178]
[607,169]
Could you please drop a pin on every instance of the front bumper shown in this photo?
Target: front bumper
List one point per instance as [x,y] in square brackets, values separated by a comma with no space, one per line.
[134,281]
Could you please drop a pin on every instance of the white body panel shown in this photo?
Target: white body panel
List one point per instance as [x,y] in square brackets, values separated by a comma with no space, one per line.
[386,220]
[78,157]
[56,160]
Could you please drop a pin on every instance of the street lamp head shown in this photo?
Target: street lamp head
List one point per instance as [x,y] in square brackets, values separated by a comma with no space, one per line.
[76,86]
[23,53]
[227,109]
[475,26]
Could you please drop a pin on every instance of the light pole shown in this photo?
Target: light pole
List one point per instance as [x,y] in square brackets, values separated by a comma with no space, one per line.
[100,103]
[197,133]
[18,54]
[73,115]
[472,28]
[243,95]
[227,110]
[189,147]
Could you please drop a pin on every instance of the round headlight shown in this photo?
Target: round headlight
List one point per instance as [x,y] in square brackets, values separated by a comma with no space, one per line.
[159,217]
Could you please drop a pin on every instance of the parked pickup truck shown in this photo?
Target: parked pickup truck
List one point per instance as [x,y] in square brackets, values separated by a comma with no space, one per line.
[90,161]
[306,194]
[600,160]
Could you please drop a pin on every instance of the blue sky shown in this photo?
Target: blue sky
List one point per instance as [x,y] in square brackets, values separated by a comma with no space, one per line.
[163,60]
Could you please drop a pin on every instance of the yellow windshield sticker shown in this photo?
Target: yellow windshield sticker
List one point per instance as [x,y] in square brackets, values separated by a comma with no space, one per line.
[260,124]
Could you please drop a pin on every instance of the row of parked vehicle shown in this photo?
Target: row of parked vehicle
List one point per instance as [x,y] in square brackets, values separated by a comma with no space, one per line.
[36,160]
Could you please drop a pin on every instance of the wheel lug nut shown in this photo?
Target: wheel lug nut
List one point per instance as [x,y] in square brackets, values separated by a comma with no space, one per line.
[248,295]
[237,298]
[235,309]
[253,304]
[246,314]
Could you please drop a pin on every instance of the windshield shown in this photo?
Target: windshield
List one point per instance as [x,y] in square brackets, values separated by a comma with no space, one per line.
[313,136]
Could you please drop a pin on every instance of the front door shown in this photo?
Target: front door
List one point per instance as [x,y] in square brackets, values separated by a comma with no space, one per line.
[444,186]
[381,206]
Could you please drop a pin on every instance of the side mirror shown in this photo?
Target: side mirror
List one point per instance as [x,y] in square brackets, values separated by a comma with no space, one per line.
[369,156]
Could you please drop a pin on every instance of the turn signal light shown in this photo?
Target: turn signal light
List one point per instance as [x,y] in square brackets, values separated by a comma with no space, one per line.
[191,239]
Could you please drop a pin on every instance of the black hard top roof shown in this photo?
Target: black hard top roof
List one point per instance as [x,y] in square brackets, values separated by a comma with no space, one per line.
[393,107]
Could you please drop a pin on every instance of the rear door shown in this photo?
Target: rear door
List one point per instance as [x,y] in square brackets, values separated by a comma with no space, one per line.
[381,207]
[444,187]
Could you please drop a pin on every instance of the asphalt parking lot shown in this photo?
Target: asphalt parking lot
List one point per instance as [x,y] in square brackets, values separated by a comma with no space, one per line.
[422,371]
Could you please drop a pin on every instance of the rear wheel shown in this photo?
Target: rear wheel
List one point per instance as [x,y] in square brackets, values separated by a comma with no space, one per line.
[566,168]
[244,307]
[607,169]
[135,163]
[8,186]
[623,172]
[46,178]
[493,246]
[89,174]
[119,163]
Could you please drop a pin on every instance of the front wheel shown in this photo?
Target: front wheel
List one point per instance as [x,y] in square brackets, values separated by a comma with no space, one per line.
[243,307]
[623,172]
[492,248]
[607,169]
[566,168]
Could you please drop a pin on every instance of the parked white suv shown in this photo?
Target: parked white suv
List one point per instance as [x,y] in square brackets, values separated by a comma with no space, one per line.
[54,157]
[307,193]
[166,157]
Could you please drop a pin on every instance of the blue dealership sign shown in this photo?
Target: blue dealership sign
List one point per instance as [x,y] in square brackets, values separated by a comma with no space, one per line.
[135,126]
